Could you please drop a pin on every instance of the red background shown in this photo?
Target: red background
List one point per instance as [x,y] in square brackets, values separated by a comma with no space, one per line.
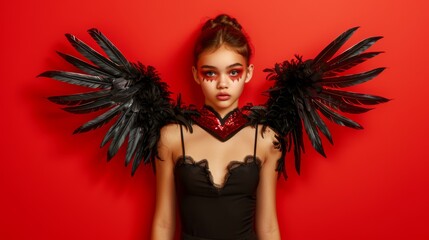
[54,185]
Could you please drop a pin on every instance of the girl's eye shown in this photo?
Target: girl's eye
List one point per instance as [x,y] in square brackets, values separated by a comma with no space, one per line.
[234,73]
[210,74]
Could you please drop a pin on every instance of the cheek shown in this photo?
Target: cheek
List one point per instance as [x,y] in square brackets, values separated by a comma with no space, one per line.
[208,87]
[238,87]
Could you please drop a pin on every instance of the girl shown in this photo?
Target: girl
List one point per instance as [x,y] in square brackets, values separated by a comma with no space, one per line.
[223,173]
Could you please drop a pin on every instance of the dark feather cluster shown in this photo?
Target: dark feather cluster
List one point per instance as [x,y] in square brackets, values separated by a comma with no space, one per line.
[130,92]
[303,90]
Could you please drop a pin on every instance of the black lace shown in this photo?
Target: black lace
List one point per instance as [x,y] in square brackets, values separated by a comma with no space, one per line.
[204,164]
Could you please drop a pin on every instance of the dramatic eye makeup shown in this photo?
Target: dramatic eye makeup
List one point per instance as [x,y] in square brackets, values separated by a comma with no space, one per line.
[210,73]
[235,74]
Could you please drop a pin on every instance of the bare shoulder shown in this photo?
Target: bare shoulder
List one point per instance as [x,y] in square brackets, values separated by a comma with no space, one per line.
[266,136]
[170,132]
[169,140]
[267,144]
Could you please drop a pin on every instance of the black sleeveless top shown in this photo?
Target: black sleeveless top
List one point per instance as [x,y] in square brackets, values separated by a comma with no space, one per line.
[209,211]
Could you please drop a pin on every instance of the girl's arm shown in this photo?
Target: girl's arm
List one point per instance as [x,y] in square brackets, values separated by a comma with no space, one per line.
[266,216]
[163,226]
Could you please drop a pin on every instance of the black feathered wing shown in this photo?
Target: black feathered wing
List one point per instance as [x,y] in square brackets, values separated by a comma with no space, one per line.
[130,92]
[305,90]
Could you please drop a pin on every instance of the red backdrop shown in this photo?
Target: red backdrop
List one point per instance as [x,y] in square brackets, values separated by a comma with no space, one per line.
[373,185]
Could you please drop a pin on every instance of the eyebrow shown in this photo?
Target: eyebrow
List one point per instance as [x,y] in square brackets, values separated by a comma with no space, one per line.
[230,66]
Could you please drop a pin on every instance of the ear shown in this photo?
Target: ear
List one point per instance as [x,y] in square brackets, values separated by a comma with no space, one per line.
[195,75]
[249,73]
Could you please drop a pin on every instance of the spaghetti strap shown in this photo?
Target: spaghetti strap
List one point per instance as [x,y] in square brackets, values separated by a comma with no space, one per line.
[256,141]
[183,143]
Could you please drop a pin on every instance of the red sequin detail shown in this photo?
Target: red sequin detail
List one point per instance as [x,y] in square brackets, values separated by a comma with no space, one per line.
[221,128]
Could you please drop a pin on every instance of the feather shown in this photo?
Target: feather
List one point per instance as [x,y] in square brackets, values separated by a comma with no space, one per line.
[145,154]
[90,106]
[119,139]
[309,126]
[80,98]
[297,152]
[115,127]
[94,56]
[332,48]
[339,104]
[141,151]
[337,118]
[350,80]
[357,98]
[77,79]
[100,120]
[111,132]
[133,141]
[318,121]
[356,49]
[311,131]
[114,54]
[84,66]
[341,66]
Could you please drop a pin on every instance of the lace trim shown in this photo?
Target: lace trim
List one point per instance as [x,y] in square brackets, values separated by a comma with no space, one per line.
[204,164]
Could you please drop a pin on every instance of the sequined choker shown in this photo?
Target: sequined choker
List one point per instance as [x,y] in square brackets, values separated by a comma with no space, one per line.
[221,128]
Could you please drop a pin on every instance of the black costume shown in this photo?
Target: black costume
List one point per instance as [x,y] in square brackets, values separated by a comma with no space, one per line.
[209,210]
[218,212]
[135,94]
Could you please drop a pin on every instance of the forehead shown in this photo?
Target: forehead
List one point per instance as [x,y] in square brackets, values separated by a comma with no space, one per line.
[220,58]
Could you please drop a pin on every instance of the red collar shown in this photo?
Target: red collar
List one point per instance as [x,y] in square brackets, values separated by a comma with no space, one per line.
[221,128]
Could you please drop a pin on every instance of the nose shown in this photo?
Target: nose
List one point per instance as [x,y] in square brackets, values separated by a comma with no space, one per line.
[222,83]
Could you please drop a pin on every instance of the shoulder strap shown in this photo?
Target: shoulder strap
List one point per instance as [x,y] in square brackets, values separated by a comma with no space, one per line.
[256,141]
[183,143]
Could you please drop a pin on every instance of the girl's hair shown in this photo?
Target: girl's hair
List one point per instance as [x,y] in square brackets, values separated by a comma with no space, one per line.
[222,30]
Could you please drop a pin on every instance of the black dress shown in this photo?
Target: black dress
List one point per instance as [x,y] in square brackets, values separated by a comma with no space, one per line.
[212,212]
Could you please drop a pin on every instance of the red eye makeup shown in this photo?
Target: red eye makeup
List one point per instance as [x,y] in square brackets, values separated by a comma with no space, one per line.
[235,74]
[208,75]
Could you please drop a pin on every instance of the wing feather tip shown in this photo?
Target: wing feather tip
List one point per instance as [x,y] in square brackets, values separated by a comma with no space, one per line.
[47,74]
[93,30]
[78,130]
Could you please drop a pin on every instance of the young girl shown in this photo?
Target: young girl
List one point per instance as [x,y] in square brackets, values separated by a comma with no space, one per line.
[223,173]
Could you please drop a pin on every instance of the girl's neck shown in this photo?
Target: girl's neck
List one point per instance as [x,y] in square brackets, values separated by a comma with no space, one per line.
[223,111]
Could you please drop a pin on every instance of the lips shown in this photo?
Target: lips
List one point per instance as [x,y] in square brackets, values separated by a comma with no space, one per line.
[223,96]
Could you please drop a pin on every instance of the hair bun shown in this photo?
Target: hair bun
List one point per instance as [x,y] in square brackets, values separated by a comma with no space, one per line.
[219,31]
[222,20]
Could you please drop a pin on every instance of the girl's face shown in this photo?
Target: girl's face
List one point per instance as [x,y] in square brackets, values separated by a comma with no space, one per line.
[222,74]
